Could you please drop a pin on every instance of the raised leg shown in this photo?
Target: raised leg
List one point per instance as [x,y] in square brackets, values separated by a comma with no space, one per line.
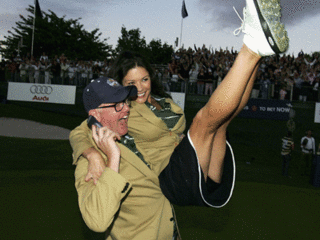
[264,35]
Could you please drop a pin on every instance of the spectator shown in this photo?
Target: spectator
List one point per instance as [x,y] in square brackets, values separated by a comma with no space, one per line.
[283,93]
[12,68]
[172,66]
[200,83]
[308,149]
[264,86]
[209,83]
[297,85]
[56,71]
[31,71]
[305,87]
[41,71]
[47,71]
[23,71]
[64,64]
[175,85]
[166,80]
[44,58]
[72,74]
[193,78]
[36,67]
[96,70]
[185,66]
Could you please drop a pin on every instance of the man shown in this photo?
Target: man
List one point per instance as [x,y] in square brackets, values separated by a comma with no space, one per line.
[287,147]
[308,150]
[127,200]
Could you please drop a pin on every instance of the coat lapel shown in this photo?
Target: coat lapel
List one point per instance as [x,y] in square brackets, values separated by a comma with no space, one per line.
[132,159]
[142,110]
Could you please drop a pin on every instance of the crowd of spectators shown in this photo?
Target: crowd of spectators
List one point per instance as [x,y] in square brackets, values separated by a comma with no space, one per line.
[279,77]
[59,70]
[195,71]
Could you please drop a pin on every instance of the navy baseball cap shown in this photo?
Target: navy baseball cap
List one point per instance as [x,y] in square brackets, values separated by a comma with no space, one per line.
[105,90]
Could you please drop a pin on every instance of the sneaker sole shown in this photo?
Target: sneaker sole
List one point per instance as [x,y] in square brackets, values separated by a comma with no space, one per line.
[273,29]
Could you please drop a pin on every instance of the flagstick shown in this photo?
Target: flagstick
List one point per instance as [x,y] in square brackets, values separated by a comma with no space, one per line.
[34,23]
[181,32]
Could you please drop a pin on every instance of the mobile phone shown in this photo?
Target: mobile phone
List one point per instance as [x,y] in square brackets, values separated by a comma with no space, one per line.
[93,121]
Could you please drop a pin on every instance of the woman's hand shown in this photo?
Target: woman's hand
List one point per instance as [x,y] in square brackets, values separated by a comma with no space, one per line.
[96,165]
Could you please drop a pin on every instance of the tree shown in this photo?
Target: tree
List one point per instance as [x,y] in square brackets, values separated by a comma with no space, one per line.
[131,41]
[155,52]
[158,53]
[54,35]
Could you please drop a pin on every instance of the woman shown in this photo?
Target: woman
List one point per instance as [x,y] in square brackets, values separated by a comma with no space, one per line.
[197,173]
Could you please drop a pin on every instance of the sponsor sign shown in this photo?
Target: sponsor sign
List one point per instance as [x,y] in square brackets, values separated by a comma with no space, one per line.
[178,98]
[36,92]
[317,113]
[267,109]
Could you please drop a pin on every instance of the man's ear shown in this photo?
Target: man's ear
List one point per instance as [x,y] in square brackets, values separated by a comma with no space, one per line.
[95,113]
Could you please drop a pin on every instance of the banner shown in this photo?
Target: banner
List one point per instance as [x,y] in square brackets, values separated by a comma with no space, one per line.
[36,92]
[267,109]
[178,98]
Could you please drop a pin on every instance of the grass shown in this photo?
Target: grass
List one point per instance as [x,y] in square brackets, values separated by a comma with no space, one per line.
[42,204]
[39,201]
[256,211]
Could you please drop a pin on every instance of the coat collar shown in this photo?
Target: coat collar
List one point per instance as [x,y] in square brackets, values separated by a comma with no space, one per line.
[143,110]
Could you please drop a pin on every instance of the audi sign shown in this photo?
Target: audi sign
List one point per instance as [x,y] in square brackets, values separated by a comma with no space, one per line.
[36,92]
[41,89]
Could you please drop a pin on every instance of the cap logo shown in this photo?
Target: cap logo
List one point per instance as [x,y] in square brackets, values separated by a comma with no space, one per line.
[113,83]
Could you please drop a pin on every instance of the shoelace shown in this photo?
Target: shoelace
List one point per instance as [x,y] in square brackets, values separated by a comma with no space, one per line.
[238,30]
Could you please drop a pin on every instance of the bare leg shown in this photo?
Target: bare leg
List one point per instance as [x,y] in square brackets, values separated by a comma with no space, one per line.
[219,141]
[222,105]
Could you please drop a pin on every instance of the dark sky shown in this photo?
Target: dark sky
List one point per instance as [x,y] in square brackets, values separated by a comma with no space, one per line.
[293,11]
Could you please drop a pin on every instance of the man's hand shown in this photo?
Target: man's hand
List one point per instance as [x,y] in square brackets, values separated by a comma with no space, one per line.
[106,141]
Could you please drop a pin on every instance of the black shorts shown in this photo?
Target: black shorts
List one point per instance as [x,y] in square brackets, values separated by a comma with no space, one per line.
[182,181]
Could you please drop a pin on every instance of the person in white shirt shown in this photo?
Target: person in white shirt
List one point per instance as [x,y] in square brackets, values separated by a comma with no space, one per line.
[44,57]
[36,67]
[30,70]
[23,71]
[193,78]
[84,74]
[72,74]
[64,71]
[308,150]
[47,69]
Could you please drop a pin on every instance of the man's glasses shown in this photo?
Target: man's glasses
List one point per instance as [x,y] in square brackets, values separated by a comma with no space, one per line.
[118,106]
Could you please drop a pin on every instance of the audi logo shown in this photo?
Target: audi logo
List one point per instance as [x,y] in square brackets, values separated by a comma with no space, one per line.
[41,89]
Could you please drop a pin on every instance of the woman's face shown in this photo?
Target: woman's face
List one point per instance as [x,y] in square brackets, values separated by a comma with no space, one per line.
[140,78]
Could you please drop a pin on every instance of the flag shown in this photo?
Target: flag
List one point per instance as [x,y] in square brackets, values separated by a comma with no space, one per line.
[184,12]
[38,12]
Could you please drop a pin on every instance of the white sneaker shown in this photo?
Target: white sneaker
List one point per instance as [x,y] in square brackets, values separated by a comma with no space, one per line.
[264,33]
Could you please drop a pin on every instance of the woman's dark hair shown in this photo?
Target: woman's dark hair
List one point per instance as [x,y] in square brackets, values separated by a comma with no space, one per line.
[128,60]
